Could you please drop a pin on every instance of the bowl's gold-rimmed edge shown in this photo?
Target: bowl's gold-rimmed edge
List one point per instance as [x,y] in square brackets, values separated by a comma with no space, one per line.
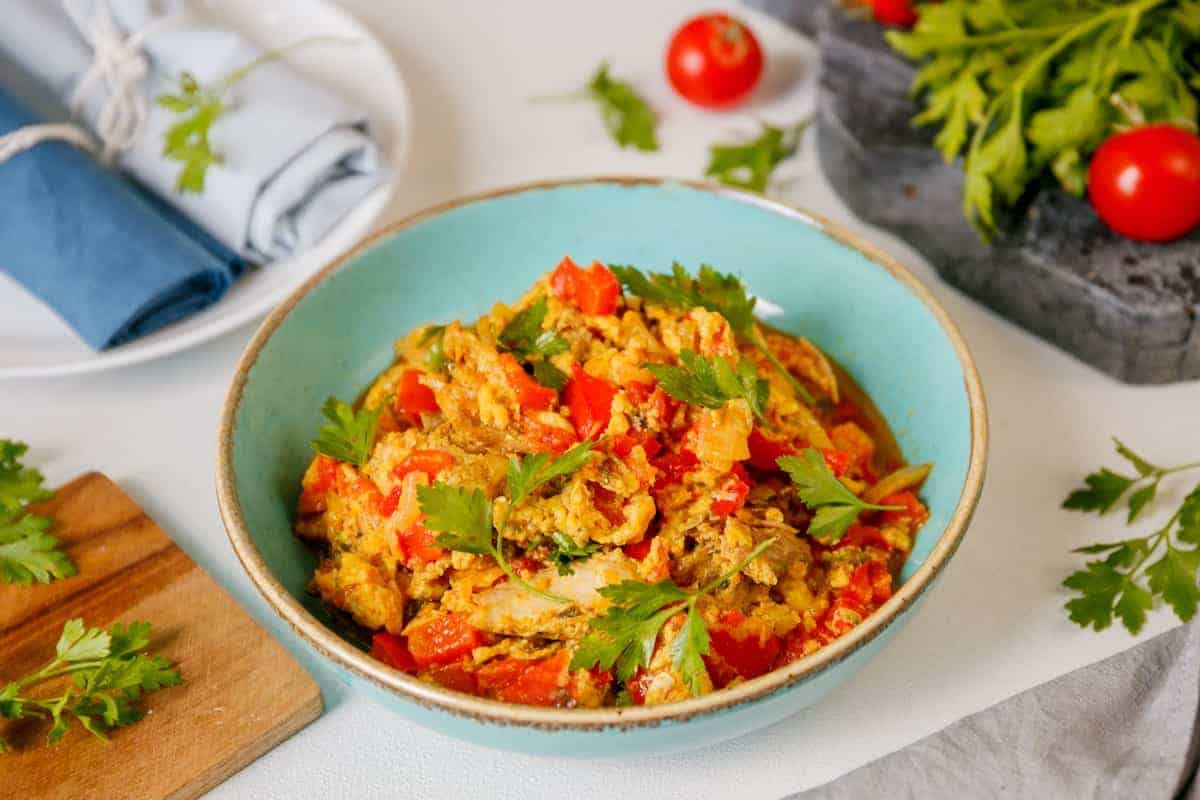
[329,644]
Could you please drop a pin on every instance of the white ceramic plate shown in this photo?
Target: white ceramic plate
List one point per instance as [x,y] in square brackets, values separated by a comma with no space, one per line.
[34,342]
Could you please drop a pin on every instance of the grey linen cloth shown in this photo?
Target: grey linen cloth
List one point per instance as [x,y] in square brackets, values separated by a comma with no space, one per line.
[1123,728]
[296,157]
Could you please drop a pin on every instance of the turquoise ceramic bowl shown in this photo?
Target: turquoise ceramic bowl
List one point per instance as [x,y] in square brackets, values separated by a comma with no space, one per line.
[335,334]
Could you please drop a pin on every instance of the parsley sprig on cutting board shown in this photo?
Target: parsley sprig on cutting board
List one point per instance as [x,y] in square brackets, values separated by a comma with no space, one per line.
[1024,87]
[109,672]
[28,552]
[1135,572]
[625,636]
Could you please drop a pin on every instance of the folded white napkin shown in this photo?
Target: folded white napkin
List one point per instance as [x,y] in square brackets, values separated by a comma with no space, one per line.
[297,158]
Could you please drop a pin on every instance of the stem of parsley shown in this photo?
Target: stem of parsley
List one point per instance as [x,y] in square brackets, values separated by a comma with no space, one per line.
[755,553]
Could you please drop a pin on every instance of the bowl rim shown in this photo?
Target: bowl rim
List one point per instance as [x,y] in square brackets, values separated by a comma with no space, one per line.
[329,644]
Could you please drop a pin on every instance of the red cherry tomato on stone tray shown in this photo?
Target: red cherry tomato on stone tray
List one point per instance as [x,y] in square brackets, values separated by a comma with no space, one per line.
[1145,183]
[895,12]
[714,60]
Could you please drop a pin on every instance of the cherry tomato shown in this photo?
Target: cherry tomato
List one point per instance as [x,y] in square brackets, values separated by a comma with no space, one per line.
[895,12]
[1145,183]
[714,60]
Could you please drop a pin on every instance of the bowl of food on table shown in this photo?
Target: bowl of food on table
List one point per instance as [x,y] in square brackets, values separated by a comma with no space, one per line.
[602,466]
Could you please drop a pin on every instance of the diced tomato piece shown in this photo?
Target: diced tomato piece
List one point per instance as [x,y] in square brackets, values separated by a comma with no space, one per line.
[881,582]
[386,505]
[456,677]
[639,550]
[443,640]
[837,461]
[739,650]
[608,504]
[765,451]
[393,651]
[859,535]
[319,479]
[430,462]
[730,495]
[589,400]
[793,647]
[531,395]
[548,438]
[593,291]
[500,672]
[913,509]
[860,589]
[417,543]
[622,444]
[673,466]
[543,683]
[414,398]
[843,615]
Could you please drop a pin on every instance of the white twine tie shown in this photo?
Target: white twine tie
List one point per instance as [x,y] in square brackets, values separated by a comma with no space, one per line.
[120,65]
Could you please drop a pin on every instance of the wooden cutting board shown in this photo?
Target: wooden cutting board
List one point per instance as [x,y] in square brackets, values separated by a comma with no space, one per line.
[244,693]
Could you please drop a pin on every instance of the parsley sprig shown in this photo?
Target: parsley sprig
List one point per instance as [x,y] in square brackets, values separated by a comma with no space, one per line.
[463,517]
[565,551]
[626,114]
[187,140]
[749,165]
[28,552]
[524,338]
[712,382]
[716,291]
[1136,571]
[109,673]
[349,434]
[837,507]
[1025,86]
[625,636]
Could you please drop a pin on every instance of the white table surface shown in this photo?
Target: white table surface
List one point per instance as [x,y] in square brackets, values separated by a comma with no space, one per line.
[993,626]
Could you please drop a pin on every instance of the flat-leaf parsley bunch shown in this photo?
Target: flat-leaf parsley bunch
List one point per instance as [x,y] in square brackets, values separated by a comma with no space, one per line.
[28,552]
[1020,88]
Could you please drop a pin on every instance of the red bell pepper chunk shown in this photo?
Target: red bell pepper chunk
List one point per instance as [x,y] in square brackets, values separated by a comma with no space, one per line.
[318,481]
[793,646]
[548,438]
[673,466]
[622,444]
[414,398]
[593,291]
[738,651]
[639,550]
[393,651]
[431,462]
[765,451]
[443,640]
[386,506]
[731,494]
[456,677]
[417,543]
[531,682]
[860,589]
[589,400]
[859,535]
[531,395]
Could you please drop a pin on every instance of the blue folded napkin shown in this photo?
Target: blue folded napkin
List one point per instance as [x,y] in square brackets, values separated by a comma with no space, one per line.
[112,260]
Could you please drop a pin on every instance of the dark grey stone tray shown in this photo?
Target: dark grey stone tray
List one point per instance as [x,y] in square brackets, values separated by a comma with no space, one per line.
[1127,308]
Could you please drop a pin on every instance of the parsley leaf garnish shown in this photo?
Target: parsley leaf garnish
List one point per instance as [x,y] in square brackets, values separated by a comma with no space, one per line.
[1031,87]
[565,551]
[463,517]
[109,674]
[187,140]
[1126,582]
[349,434]
[524,338]
[715,291]
[28,552]
[749,165]
[626,114]
[712,382]
[837,507]
[623,639]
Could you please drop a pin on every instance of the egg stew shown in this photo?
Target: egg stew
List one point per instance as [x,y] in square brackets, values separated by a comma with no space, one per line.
[623,489]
